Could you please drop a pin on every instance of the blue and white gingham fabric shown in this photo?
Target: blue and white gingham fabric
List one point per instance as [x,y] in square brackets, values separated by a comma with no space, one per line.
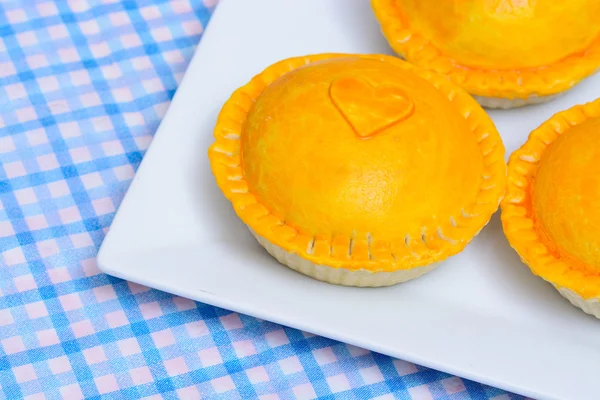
[83,86]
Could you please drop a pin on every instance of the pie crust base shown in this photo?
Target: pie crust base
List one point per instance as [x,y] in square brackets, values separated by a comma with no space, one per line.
[341,276]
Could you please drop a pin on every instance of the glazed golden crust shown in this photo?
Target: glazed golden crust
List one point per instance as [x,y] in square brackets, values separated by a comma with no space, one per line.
[271,215]
[550,213]
[511,81]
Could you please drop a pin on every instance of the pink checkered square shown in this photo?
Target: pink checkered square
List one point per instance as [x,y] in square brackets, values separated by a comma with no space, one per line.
[104,293]
[15,91]
[103,206]
[324,356]
[100,50]
[277,338]
[47,162]
[210,357]
[26,39]
[141,375]
[371,375]
[133,119]
[181,6]
[176,366]
[47,9]
[161,34]
[244,348]
[290,365]
[116,319]
[13,345]
[80,154]
[48,84]
[6,317]
[14,256]
[90,27]
[404,367]
[59,365]
[36,222]
[102,124]
[69,130]
[70,301]
[210,3]
[106,384]
[14,169]
[25,196]
[453,385]
[184,304]
[69,215]
[189,393]
[58,275]
[6,229]
[222,384]
[113,148]
[36,137]
[163,338]
[25,114]
[111,71]
[122,95]
[129,347]
[7,145]
[71,392]
[36,310]
[338,383]
[124,172]
[69,55]
[130,40]
[94,355]
[25,282]
[231,321]
[193,27]
[90,99]
[15,16]
[304,392]
[80,77]
[58,188]
[151,310]
[24,373]
[58,32]
[356,351]
[37,61]
[141,63]
[119,18]
[197,329]
[82,328]
[420,392]
[257,375]
[91,180]
[150,12]
[78,5]
[7,69]
[80,240]
[47,337]
[136,288]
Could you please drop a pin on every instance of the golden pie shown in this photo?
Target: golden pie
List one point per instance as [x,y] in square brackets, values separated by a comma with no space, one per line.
[551,213]
[507,53]
[358,170]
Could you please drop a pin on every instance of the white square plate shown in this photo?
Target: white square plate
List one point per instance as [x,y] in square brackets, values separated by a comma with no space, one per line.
[481,315]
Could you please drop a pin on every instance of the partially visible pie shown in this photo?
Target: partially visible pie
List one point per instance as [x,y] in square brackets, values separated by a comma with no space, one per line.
[551,213]
[507,53]
[358,170]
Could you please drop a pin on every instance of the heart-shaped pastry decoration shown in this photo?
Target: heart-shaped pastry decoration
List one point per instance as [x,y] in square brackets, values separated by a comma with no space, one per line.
[369,109]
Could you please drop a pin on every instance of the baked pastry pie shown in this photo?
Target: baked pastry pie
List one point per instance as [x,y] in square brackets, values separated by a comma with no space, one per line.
[358,170]
[551,213]
[507,53]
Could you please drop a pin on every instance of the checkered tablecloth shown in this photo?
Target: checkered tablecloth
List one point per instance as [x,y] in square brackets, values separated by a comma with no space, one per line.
[83,86]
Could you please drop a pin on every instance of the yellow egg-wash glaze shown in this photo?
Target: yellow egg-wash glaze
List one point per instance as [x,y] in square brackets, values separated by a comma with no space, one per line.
[497,48]
[303,170]
[551,213]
